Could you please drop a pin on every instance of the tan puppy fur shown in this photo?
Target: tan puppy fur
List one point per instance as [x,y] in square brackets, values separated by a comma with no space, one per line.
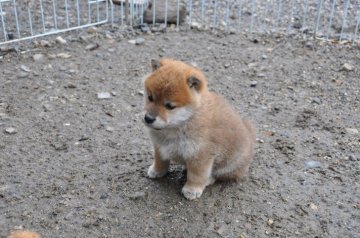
[187,123]
[23,234]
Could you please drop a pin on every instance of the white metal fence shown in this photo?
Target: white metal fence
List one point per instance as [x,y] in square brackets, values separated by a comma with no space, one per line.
[328,19]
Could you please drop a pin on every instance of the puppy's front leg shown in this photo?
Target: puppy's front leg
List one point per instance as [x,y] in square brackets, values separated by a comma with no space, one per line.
[198,177]
[159,166]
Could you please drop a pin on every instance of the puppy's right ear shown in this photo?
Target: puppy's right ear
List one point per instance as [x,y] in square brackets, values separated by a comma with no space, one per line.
[155,64]
[194,82]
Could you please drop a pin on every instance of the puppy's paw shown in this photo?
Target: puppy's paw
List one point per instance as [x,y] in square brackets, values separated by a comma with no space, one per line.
[152,173]
[191,192]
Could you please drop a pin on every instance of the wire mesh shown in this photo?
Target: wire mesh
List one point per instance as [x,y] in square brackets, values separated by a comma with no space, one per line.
[329,19]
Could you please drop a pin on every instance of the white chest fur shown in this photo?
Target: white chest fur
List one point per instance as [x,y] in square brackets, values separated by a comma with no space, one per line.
[175,145]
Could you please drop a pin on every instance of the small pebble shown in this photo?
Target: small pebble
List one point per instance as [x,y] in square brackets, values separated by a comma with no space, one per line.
[316,100]
[141,93]
[63,55]
[104,196]
[347,67]
[226,65]
[313,206]
[47,107]
[10,130]
[139,41]
[221,230]
[137,195]
[109,128]
[92,30]
[253,84]
[38,57]
[25,68]
[22,75]
[352,158]
[45,43]
[352,131]
[309,45]
[60,40]
[270,222]
[196,26]
[104,95]
[312,164]
[92,46]
[145,29]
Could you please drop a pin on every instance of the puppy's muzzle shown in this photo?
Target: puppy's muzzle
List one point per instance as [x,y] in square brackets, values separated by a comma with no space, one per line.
[149,119]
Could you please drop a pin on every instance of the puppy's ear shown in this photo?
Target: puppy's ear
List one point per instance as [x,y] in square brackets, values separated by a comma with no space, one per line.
[194,82]
[155,64]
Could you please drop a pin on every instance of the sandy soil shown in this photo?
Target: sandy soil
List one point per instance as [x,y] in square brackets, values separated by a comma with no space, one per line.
[74,165]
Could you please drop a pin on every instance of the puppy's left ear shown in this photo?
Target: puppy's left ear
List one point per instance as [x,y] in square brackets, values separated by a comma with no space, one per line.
[194,82]
[155,64]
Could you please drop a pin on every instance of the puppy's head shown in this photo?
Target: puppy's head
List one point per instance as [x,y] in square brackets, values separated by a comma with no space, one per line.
[172,94]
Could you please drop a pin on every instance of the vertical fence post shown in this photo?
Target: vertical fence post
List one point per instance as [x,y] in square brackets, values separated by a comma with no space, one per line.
[344,19]
[331,18]
[240,14]
[318,13]
[252,15]
[3,22]
[16,19]
[30,20]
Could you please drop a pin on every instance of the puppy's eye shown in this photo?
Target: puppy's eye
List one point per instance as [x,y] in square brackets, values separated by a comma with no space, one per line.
[169,106]
[150,98]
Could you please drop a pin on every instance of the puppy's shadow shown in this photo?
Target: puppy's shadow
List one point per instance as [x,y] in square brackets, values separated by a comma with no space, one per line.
[172,183]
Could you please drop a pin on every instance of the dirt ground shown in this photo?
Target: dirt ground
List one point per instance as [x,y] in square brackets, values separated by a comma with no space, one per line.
[74,165]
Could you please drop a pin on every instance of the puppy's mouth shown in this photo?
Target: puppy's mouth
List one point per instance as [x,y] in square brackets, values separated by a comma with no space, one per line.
[151,126]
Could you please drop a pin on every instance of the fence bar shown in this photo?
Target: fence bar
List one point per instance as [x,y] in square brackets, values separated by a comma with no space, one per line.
[240,14]
[318,16]
[78,12]
[2,21]
[30,20]
[227,14]
[215,12]
[178,13]
[58,31]
[306,8]
[344,19]
[265,15]
[89,12]
[190,13]
[356,28]
[67,14]
[122,13]
[279,13]
[331,19]
[166,11]
[54,13]
[154,5]
[16,20]
[252,15]
[202,11]
[291,16]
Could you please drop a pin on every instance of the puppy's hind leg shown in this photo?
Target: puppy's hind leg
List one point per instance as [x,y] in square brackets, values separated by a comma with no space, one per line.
[159,166]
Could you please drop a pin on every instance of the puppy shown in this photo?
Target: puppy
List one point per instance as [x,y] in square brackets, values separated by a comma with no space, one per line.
[187,123]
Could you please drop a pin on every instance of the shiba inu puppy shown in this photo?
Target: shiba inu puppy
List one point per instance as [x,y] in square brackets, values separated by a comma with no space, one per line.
[187,123]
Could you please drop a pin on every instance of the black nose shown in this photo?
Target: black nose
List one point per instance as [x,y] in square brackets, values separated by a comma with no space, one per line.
[149,119]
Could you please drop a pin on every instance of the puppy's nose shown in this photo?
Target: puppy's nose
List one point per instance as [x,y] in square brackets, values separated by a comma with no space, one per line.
[149,119]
